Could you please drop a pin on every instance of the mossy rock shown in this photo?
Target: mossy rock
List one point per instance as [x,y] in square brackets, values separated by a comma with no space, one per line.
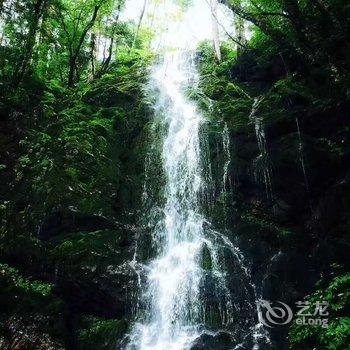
[101,334]
[205,258]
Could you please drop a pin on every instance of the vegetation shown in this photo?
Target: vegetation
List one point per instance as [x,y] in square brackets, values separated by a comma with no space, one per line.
[284,96]
[72,153]
[336,335]
[74,133]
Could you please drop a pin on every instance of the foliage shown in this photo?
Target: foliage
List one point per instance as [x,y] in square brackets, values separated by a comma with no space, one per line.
[64,40]
[12,276]
[312,31]
[21,294]
[336,335]
[73,112]
[283,96]
[74,132]
[85,252]
[101,334]
[262,225]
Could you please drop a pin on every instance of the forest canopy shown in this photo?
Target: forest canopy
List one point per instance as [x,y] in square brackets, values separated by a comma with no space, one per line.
[63,40]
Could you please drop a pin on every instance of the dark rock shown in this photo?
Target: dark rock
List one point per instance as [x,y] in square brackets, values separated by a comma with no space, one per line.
[280,210]
[216,341]
[98,282]
[69,221]
[89,297]
[332,214]
[282,271]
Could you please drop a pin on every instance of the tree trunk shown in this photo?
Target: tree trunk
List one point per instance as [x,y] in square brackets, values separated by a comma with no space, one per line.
[215,28]
[93,55]
[139,23]
[71,74]
[107,61]
[239,32]
[22,68]
[73,59]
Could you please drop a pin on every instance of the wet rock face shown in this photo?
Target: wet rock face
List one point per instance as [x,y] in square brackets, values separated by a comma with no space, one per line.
[69,221]
[332,212]
[110,294]
[91,272]
[105,300]
[94,275]
[217,341]
[91,254]
[222,340]
[291,239]
[92,278]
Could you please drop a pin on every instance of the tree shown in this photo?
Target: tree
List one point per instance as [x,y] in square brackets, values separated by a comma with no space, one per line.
[36,10]
[308,28]
[111,31]
[140,22]
[215,28]
[76,30]
[239,30]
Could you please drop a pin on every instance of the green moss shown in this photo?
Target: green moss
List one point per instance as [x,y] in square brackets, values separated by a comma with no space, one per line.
[260,223]
[12,276]
[205,259]
[88,251]
[83,149]
[101,334]
[22,295]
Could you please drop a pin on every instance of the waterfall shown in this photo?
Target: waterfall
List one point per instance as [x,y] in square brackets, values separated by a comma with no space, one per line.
[187,285]
[226,180]
[263,161]
[227,156]
[174,277]
[303,161]
[196,283]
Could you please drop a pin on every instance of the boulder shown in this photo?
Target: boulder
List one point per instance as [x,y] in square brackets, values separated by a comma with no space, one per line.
[213,341]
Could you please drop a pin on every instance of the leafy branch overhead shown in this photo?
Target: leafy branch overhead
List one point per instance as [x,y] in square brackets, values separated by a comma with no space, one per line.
[308,27]
[60,38]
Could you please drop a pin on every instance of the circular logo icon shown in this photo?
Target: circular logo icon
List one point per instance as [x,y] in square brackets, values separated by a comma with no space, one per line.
[274,314]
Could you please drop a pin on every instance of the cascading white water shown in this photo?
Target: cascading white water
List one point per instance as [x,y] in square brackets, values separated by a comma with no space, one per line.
[227,155]
[226,179]
[174,277]
[183,293]
[176,298]
[262,145]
